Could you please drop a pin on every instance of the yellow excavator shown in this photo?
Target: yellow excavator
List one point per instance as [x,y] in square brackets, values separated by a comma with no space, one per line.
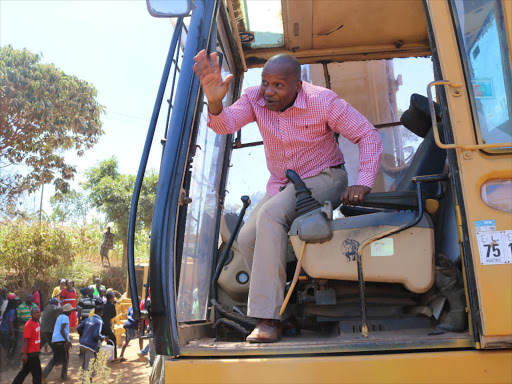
[414,285]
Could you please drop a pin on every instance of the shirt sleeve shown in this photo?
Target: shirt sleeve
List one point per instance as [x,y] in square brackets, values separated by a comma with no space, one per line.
[232,118]
[348,122]
[27,331]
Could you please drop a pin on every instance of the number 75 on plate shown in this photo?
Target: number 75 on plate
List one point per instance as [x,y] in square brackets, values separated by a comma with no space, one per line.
[495,247]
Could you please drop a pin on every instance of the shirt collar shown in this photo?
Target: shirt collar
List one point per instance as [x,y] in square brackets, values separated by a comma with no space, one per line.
[300,101]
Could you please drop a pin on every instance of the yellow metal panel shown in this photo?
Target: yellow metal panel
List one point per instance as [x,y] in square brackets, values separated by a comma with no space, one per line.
[436,367]
[494,282]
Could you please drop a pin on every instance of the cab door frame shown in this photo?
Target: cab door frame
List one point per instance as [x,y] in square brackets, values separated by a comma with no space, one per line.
[469,169]
[169,212]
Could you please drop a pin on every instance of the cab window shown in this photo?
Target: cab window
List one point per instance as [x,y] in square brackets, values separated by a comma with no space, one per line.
[485,55]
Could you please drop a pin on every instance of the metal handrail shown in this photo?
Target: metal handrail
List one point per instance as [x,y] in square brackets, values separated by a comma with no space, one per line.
[142,169]
[465,147]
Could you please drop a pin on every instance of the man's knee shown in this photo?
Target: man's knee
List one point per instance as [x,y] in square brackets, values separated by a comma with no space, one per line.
[273,214]
[246,237]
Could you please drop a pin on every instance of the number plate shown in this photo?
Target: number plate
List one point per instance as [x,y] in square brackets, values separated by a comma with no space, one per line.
[495,247]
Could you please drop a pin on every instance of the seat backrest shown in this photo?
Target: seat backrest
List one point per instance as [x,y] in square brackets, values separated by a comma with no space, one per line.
[429,159]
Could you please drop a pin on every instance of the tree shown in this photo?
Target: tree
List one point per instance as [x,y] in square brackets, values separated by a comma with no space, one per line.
[71,205]
[43,113]
[111,193]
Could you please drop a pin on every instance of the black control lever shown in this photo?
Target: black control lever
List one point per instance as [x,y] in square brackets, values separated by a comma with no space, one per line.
[304,202]
[246,201]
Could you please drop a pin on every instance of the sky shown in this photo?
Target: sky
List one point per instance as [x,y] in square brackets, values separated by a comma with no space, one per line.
[119,48]
[115,45]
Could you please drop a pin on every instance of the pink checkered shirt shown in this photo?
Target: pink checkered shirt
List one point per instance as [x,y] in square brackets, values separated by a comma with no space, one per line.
[302,137]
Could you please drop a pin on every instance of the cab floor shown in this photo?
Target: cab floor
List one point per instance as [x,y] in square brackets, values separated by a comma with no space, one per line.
[311,342]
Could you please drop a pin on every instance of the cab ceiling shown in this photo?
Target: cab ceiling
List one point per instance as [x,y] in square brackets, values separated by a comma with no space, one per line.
[347,30]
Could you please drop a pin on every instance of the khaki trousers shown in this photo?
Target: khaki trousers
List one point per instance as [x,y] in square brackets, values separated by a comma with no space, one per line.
[263,240]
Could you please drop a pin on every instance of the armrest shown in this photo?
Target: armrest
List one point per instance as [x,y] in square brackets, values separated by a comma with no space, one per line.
[392,200]
[349,210]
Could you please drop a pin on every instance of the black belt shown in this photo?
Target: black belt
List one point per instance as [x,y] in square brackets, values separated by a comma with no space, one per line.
[339,166]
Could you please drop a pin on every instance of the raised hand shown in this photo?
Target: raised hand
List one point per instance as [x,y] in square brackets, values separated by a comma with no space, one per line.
[214,88]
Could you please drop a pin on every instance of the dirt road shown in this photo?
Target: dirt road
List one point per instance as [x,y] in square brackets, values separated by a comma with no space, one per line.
[134,370]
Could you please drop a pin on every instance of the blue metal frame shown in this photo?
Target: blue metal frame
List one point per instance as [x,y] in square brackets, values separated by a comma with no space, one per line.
[166,218]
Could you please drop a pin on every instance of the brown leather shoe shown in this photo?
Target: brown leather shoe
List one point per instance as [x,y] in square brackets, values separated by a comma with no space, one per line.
[266,331]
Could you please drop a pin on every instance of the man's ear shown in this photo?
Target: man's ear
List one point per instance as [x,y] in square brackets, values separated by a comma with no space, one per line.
[299,85]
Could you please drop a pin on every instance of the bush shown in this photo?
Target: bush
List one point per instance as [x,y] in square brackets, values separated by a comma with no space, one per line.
[99,372]
[28,252]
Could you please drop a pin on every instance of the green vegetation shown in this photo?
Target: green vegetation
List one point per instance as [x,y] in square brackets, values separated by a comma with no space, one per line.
[44,253]
[99,372]
[111,193]
[44,116]
[43,113]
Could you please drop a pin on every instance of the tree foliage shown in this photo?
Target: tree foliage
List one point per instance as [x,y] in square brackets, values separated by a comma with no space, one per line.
[111,193]
[31,251]
[43,113]
[70,206]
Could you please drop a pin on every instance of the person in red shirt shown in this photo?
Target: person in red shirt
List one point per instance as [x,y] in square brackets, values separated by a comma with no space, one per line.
[298,122]
[31,349]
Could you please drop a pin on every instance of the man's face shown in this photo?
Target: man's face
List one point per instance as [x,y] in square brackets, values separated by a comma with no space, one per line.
[36,314]
[90,291]
[98,282]
[279,87]
[28,299]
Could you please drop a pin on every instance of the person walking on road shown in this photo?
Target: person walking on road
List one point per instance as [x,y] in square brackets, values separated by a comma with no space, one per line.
[31,349]
[23,314]
[109,312]
[90,335]
[61,343]
[7,333]
[48,318]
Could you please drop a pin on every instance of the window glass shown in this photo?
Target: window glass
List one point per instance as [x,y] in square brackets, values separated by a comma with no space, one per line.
[200,240]
[266,22]
[248,173]
[381,91]
[484,50]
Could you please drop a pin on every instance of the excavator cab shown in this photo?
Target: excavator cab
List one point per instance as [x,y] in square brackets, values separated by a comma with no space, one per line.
[389,240]
[419,272]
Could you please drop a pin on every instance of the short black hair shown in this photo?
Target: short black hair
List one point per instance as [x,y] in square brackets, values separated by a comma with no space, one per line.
[98,308]
[109,295]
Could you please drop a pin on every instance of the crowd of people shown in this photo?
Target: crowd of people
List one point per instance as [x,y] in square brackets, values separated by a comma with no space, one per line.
[29,328]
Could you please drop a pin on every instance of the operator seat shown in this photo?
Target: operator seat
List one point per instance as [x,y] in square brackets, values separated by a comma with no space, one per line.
[406,257]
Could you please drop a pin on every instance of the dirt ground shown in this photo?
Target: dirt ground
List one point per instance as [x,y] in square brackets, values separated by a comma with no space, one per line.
[133,369]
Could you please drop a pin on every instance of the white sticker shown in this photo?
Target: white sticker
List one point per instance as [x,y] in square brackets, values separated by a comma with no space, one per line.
[485,225]
[495,247]
[382,247]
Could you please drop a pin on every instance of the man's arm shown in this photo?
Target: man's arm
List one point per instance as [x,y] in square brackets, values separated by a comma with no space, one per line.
[24,356]
[347,121]
[63,332]
[11,327]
